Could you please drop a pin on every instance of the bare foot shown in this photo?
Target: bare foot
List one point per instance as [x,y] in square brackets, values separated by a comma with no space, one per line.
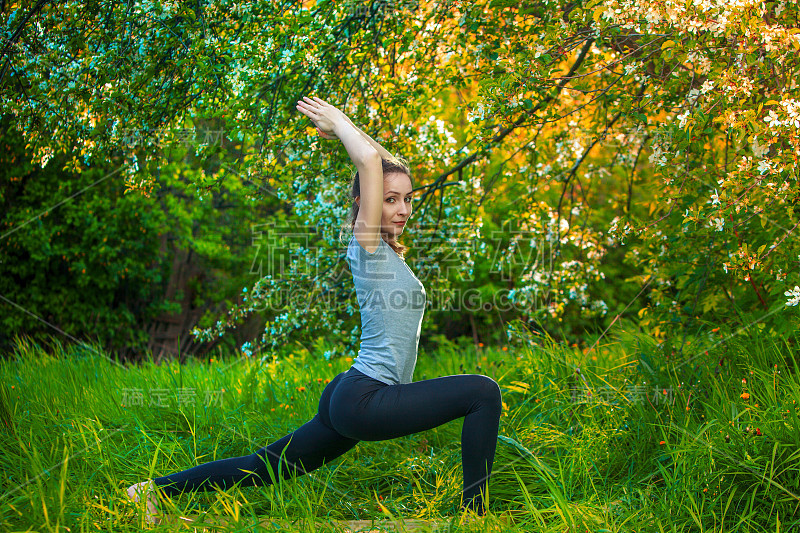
[146,488]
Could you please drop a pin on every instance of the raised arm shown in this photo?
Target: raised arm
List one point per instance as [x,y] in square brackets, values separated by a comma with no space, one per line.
[367,160]
[329,119]
[385,154]
[329,134]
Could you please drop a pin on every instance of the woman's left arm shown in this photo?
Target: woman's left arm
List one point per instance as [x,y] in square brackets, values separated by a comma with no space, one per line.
[385,154]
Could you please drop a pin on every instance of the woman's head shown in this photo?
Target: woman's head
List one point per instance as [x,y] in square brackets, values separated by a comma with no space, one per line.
[397,187]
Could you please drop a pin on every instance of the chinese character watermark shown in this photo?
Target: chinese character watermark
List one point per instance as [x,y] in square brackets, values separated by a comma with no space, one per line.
[381,8]
[162,397]
[132,137]
[635,394]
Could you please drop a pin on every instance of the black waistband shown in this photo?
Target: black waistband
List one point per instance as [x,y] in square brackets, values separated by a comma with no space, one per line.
[359,374]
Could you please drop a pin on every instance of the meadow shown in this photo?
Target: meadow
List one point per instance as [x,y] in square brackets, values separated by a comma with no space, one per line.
[620,437]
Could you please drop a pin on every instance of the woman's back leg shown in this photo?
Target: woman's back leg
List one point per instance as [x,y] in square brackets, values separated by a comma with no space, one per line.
[307,448]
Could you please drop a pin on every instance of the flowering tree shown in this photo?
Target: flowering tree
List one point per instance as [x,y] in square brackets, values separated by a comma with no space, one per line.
[723,151]
[549,140]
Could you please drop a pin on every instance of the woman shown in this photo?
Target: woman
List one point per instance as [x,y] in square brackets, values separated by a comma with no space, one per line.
[375,399]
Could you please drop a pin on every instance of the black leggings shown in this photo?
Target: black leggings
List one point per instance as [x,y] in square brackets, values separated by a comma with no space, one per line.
[356,407]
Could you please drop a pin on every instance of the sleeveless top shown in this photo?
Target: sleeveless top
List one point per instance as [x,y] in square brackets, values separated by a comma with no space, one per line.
[392,302]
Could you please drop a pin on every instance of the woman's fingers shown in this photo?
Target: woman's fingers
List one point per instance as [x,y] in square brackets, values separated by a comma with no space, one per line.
[322,114]
[307,110]
[315,101]
[311,102]
[306,113]
[311,105]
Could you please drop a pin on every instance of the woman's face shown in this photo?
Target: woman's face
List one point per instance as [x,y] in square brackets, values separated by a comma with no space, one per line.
[396,204]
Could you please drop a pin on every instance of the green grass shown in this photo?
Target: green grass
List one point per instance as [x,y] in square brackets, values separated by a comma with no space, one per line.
[623,458]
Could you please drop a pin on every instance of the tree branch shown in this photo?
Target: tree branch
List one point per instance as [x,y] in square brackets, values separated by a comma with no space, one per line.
[16,35]
[502,134]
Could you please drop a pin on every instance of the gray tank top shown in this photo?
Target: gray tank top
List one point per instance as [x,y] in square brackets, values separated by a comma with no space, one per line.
[392,302]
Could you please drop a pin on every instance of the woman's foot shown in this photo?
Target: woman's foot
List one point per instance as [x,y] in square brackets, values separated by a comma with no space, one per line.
[148,489]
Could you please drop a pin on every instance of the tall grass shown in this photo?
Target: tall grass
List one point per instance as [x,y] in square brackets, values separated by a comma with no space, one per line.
[625,437]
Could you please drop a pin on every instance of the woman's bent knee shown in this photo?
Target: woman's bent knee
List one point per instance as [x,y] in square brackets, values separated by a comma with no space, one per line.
[490,391]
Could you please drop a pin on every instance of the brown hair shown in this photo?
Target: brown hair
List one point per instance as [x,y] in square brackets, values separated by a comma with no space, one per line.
[397,164]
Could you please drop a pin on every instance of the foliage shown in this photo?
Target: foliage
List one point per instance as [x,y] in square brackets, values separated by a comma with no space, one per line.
[80,267]
[82,258]
[656,133]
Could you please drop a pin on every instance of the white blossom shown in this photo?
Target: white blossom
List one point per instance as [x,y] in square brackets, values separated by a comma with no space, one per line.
[772,120]
[759,150]
[793,109]
[683,117]
[658,157]
[794,296]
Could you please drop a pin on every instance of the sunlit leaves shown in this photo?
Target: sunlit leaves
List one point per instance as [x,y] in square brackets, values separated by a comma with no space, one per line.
[631,113]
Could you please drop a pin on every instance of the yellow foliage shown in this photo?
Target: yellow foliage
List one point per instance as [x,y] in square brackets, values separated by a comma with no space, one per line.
[518,386]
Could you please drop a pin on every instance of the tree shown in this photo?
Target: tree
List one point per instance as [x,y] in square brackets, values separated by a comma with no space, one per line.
[661,135]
